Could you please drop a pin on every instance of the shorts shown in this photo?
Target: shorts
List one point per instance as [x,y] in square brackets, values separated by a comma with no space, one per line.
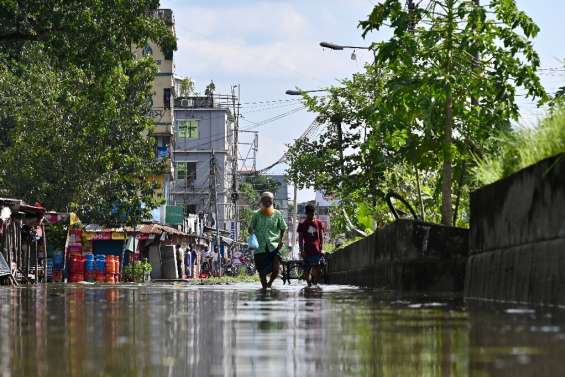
[312,261]
[264,261]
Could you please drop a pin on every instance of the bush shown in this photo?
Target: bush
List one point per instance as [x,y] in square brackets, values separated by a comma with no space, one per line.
[137,270]
[524,147]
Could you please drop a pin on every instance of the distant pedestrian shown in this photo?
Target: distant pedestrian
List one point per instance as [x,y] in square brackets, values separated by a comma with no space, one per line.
[269,227]
[310,242]
[194,258]
[189,259]
[216,260]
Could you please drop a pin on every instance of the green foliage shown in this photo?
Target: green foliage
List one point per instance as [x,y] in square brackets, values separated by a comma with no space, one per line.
[440,90]
[453,79]
[187,87]
[137,271]
[56,237]
[73,108]
[523,147]
[248,199]
[261,183]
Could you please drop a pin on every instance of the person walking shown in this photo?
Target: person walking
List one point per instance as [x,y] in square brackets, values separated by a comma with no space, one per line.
[310,241]
[189,260]
[269,227]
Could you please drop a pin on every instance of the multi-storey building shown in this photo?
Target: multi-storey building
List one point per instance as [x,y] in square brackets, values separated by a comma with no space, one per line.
[281,200]
[162,111]
[203,157]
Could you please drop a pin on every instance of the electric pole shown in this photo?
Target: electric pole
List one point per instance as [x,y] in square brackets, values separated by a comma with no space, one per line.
[295,220]
[214,205]
[235,180]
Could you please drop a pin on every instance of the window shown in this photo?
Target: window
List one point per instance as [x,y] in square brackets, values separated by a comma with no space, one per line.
[147,51]
[188,129]
[186,171]
[167,98]
[180,168]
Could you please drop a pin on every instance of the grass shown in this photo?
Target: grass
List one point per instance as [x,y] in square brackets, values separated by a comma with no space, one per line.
[242,278]
[524,147]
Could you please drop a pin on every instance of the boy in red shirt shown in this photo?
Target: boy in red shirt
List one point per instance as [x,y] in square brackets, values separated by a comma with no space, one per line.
[310,240]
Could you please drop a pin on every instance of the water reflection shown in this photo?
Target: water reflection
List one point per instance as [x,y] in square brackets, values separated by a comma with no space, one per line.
[239,331]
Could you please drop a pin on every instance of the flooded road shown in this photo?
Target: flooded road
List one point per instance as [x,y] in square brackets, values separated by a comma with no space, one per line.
[164,330]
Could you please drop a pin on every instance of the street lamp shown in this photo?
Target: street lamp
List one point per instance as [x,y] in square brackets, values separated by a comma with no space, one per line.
[336,47]
[301,92]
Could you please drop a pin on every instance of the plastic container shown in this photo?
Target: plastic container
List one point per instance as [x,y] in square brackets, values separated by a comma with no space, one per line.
[89,263]
[49,268]
[111,278]
[100,277]
[110,265]
[117,264]
[76,277]
[58,261]
[100,263]
[58,275]
[77,264]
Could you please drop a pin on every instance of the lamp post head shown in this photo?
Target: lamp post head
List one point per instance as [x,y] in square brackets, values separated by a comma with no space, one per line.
[331,46]
[294,92]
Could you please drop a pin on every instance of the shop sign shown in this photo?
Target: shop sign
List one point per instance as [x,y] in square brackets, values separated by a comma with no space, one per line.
[118,236]
[174,215]
[102,236]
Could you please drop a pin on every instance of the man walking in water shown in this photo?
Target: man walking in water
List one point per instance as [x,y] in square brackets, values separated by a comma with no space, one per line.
[269,226]
[310,242]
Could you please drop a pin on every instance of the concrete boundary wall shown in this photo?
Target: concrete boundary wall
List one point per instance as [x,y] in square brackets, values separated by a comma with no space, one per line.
[517,237]
[407,255]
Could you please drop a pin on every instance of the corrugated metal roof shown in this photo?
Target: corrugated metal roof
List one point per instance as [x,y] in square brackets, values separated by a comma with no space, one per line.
[157,229]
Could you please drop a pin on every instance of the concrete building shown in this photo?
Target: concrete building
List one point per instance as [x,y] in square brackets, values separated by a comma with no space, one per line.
[281,195]
[162,111]
[204,128]
[281,203]
[324,203]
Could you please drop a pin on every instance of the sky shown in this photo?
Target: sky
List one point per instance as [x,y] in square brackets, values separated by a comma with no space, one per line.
[269,46]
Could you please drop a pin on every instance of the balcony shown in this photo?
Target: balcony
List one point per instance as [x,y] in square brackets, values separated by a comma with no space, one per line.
[168,167]
[166,15]
[163,130]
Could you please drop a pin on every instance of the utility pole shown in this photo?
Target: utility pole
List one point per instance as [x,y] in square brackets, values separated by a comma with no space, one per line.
[295,220]
[214,204]
[336,120]
[411,9]
[235,179]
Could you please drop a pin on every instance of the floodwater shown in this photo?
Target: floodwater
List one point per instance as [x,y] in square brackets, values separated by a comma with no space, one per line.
[176,330]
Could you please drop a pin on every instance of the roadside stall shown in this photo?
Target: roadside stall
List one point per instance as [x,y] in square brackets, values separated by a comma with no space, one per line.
[22,242]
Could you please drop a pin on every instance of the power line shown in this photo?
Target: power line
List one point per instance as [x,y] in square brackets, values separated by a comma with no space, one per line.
[220,135]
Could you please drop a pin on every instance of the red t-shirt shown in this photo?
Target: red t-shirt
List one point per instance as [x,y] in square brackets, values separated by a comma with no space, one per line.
[312,233]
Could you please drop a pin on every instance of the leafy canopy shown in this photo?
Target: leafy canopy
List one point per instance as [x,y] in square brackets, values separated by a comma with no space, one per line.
[73,105]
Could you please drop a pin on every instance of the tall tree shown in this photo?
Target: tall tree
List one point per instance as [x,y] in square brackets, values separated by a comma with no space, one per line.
[73,105]
[432,59]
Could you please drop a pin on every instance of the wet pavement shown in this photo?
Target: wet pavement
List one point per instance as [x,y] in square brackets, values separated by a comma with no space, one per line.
[165,330]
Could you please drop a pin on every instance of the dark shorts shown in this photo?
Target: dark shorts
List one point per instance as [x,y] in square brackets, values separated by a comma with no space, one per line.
[264,261]
[312,261]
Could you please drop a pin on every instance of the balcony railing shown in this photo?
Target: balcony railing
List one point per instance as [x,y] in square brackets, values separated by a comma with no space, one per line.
[206,102]
[163,129]
[166,15]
